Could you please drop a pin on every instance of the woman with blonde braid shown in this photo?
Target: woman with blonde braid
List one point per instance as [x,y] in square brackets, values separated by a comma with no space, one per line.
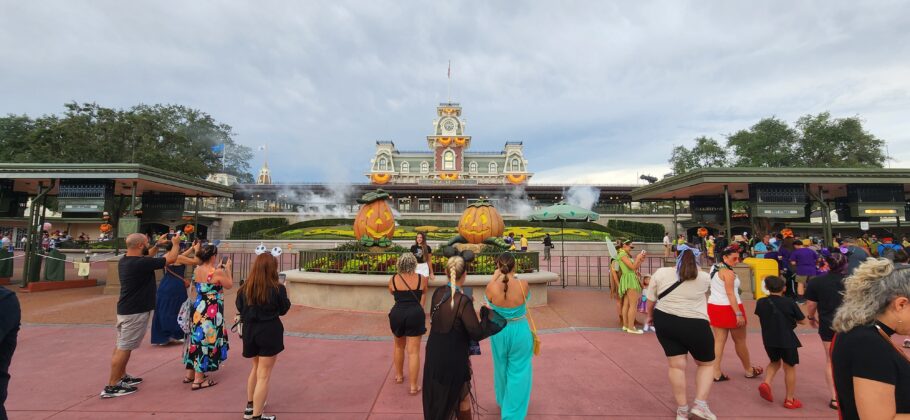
[513,348]
[871,373]
[447,369]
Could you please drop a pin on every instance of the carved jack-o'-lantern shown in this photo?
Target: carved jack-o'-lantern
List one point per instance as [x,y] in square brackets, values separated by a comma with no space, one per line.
[375,219]
[188,229]
[106,227]
[702,232]
[480,221]
[786,232]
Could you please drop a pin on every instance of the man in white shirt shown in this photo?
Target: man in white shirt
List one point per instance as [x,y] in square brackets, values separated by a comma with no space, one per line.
[666,245]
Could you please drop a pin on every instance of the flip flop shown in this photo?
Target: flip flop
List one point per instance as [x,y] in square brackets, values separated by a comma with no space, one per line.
[399,380]
[208,383]
[833,405]
[414,391]
[756,372]
[722,378]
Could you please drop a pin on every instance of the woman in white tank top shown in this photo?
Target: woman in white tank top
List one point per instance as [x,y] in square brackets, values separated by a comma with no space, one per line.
[728,319]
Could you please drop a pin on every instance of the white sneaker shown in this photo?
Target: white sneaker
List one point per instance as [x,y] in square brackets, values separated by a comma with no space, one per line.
[703,413]
[682,415]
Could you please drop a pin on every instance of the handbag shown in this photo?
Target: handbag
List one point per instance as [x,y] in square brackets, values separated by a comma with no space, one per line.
[531,320]
[237,327]
[185,314]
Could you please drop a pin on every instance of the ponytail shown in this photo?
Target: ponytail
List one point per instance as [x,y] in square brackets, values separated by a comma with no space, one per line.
[505,263]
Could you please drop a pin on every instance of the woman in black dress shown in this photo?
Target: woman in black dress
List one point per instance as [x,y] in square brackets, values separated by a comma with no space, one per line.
[824,295]
[447,371]
[260,301]
[407,319]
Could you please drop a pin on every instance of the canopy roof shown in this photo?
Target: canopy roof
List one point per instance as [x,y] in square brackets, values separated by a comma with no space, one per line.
[26,177]
[711,181]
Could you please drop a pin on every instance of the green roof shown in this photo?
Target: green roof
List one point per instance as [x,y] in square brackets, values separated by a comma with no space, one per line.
[711,181]
[147,178]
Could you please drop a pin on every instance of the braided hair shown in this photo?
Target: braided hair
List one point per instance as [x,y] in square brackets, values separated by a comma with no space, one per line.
[456,269]
[505,263]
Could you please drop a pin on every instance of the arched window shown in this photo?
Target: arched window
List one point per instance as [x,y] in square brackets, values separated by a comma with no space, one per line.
[516,166]
[424,167]
[383,164]
[473,167]
[448,160]
[405,167]
[493,168]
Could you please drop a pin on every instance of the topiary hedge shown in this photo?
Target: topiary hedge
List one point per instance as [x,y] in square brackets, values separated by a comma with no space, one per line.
[639,230]
[249,227]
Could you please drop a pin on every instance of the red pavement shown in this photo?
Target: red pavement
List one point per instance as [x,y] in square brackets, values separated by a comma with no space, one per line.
[58,372]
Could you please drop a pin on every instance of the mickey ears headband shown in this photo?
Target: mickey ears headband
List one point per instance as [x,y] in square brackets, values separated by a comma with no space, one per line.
[276,251]
[450,251]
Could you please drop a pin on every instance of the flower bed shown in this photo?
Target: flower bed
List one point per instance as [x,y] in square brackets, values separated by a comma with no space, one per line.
[365,262]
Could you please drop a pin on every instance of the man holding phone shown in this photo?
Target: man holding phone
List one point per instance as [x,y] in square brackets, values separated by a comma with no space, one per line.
[134,308]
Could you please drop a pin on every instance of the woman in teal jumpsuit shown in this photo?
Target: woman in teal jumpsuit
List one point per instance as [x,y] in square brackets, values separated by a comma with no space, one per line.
[513,347]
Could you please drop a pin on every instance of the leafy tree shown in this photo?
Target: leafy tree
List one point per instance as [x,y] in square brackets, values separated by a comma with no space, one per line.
[169,137]
[837,143]
[817,141]
[707,153]
[769,143]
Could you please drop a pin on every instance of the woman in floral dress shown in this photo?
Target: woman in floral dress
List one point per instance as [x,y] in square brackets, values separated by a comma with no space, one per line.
[207,342]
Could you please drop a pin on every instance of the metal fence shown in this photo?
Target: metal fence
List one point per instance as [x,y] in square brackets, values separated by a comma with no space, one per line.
[592,270]
[243,261]
[330,261]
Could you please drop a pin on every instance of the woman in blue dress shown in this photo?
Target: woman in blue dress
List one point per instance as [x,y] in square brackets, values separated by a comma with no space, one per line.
[513,347]
[171,295]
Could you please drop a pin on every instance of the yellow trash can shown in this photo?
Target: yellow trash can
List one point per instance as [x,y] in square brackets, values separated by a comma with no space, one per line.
[761,268]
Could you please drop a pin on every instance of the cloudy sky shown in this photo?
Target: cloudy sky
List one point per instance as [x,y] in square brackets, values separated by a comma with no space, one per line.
[599,92]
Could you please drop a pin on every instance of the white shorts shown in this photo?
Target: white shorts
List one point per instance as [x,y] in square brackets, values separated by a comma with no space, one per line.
[423,269]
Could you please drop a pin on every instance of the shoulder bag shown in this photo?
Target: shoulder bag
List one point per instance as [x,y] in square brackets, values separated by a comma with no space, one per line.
[185,315]
[531,320]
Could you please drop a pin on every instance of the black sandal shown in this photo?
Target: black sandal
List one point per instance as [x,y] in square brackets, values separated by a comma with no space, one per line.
[190,380]
[208,383]
[833,405]
[756,372]
[722,378]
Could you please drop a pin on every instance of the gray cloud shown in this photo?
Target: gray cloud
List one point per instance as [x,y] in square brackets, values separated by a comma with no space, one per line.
[590,87]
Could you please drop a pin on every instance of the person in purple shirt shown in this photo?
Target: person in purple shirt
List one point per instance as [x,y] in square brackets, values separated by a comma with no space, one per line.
[806,262]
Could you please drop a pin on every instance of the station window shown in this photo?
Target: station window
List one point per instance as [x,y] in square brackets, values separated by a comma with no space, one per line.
[473,167]
[424,167]
[383,164]
[448,160]
[405,167]
[423,205]
[493,168]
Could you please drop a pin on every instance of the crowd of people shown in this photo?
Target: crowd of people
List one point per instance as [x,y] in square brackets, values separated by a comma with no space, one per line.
[856,292]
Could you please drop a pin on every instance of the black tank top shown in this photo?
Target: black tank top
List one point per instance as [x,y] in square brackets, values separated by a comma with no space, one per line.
[409,296]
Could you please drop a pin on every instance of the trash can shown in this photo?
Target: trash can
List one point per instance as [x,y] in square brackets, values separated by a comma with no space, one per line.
[761,268]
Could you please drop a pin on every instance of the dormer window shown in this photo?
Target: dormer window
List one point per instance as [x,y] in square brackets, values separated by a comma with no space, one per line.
[473,167]
[493,167]
[383,164]
[405,167]
[424,167]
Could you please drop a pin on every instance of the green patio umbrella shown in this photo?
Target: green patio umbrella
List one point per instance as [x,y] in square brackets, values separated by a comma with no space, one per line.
[563,212]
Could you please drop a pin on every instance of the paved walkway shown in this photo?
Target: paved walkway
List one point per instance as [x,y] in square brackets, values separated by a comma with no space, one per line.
[337,366]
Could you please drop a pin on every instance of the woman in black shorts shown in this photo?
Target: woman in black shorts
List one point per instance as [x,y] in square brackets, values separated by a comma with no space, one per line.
[824,295]
[260,301]
[678,309]
[407,318]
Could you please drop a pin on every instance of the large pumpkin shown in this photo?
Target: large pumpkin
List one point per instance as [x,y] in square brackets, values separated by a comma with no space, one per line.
[375,218]
[480,221]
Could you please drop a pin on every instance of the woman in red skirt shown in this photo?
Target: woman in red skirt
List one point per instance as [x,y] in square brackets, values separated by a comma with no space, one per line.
[727,314]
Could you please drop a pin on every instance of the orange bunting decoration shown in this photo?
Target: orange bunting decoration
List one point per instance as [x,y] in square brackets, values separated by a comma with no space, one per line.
[480,221]
[380,178]
[702,232]
[452,176]
[516,178]
[106,227]
[460,141]
[786,232]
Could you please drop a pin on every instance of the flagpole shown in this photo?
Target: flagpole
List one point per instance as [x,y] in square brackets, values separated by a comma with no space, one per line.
[449,83]
[224,158]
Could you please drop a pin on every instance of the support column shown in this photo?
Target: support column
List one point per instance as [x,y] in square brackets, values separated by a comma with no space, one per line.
[196,218]
[827,229]
[727,214]
[675,222]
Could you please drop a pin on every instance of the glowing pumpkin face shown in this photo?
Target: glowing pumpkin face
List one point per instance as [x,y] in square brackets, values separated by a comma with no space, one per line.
[375,218]
[480,221]
[106,228]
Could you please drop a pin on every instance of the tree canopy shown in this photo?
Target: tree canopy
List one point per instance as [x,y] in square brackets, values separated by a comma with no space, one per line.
[170,137]
[816,141]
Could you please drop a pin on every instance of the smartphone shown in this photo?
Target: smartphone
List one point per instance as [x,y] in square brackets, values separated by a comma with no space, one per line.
[282,278]
[171,235]
[223,260]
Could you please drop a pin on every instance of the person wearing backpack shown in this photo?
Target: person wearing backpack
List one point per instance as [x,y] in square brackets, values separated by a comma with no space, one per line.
[678,309]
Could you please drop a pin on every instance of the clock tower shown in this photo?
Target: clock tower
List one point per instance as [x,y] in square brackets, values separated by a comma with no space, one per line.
[448,141]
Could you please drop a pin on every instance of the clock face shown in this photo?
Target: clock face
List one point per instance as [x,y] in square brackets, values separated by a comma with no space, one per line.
[448,125]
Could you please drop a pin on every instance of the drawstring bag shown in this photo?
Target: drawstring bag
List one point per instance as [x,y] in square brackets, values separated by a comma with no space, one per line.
[185,314]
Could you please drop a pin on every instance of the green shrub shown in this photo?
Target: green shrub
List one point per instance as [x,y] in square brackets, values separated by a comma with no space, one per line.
[639,230]
[249,227]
